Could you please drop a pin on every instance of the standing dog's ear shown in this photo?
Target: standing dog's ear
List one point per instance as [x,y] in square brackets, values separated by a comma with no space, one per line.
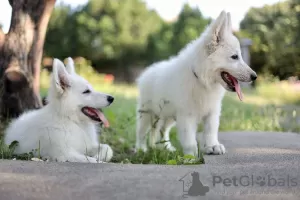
[70,66]
[217,31]
[219,27]
[229,23]
[60,76]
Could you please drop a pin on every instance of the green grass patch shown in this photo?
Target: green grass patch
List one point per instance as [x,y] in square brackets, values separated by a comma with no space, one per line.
[236,116]
[257,113]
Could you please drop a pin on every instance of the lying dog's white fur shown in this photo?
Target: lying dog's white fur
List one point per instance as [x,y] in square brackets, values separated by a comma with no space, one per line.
[66,128]
[189,88]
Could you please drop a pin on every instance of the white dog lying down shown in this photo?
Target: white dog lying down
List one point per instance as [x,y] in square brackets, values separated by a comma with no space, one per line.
[189,88]
[65,129]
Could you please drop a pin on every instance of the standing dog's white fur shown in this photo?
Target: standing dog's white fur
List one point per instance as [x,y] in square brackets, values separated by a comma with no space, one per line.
[60,130]
[189,88]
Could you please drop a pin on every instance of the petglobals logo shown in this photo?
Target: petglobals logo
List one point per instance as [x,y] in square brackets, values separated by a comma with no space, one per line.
[252,180]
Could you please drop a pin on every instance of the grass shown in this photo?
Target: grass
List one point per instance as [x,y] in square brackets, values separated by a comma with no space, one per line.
[236,115]
[263,109]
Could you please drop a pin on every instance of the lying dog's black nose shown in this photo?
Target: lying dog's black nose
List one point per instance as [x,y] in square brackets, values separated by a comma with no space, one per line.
[253,77]
[110,99]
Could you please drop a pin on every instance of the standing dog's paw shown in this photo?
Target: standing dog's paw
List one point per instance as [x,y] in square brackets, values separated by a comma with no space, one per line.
[166,145]
[143,149]
[140,147]
[215,149]
[170,147]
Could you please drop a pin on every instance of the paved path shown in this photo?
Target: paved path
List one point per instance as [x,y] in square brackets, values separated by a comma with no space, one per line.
[256,166]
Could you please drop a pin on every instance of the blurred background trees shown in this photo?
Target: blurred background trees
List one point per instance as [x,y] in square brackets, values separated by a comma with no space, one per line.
[274,30]
[119,34]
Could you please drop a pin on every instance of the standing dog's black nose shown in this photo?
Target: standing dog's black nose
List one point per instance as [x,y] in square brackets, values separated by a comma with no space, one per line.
[253,77]
[110,99]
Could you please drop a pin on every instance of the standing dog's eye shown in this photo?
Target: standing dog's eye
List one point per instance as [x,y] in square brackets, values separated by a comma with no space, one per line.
[235,57]
[87,91]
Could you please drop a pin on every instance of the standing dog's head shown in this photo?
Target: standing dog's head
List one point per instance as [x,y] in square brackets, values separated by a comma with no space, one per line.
[75,95]
[225,60]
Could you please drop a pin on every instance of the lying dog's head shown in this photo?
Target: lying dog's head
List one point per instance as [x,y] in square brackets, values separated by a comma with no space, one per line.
[75,95]
[225,63]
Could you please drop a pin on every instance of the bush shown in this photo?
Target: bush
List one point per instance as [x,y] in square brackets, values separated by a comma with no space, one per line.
[83,68]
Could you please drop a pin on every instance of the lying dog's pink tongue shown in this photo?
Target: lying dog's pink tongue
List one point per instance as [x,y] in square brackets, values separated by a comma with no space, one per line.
[103,118]
[237,87]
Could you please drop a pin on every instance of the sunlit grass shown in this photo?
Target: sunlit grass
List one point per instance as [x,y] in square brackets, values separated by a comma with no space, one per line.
[263,109]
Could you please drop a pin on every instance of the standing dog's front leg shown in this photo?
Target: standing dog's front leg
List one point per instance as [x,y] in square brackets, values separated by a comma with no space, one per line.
[186,131]
[211,127]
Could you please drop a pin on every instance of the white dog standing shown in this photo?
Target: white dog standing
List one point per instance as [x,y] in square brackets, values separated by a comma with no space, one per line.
[65,129]
[189,88]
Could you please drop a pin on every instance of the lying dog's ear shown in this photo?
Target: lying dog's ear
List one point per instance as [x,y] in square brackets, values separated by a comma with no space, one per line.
[70,66]
[60,76]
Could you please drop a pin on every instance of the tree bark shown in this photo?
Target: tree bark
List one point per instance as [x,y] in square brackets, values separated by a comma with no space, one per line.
[21,51]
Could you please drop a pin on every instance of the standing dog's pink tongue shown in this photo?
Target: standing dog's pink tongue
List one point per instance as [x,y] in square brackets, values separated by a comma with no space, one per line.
[237,87]
[103,118]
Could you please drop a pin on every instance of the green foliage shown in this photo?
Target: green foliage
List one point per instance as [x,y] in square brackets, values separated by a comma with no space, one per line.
[172,37]
[122,33]
[61,31]
[186,160]
[102,30]
[189,26]
[274,30]
[119,32]
[159,47]
[6,151]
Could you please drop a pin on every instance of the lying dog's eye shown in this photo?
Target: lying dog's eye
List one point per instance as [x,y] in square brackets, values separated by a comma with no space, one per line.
[87,91]
[234,57]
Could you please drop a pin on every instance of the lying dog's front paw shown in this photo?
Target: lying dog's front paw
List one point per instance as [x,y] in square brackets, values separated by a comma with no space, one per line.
[215,149]
[105,154]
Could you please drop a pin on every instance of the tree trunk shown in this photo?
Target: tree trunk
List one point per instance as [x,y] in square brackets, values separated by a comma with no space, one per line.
[21,51]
